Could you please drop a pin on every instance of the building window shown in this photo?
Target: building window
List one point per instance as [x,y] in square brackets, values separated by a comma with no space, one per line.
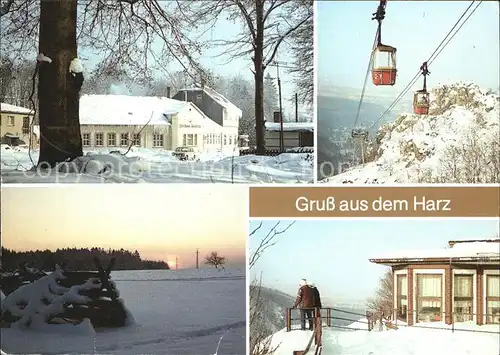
[11,121]
[225,139]
[235,139]
[157,140]
[111,139]
[184,139]
[204,139]
[463,298]
[402,297]
[137,139]
[190,139]
[230,140]
[492,299]
[429,298]
[199,98]
[124,139]
[99,139]
[195,139]
[211,138]
[26,125]
[86,139]
[218,138]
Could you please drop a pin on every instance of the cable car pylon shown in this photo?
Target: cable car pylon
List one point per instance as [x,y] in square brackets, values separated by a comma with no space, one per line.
[421,97]
[384,57]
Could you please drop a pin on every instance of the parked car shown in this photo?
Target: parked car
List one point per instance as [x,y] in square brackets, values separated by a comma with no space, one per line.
[185,153]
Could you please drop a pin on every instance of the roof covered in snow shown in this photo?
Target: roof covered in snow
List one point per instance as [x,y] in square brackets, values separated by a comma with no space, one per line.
[8,108]
[217,97]
[128,110]
[467,250]
[291,126]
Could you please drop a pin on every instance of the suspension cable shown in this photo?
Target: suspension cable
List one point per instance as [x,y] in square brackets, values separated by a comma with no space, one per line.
[370,62]
[433,56]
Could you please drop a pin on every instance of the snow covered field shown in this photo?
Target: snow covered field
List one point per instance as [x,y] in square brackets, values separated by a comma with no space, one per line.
[175,312]
[457,143]
[144,165]
[403,341]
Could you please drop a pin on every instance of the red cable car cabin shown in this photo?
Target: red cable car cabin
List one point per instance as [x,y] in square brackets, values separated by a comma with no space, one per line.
[384,65]
[421,97]
[421,102]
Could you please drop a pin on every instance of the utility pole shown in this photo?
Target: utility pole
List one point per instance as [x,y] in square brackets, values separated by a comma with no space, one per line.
[296,107]
[197,258]
[176,263]
[282,145]
[287,66]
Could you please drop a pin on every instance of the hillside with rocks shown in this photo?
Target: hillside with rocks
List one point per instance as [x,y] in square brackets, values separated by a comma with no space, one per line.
[458,142]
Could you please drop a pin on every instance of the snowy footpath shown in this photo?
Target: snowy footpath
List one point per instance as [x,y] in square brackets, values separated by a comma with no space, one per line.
[467,339]
[144,165]
[181,312]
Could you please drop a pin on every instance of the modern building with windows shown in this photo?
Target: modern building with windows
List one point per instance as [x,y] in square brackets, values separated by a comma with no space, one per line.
[455,284]
[109,121]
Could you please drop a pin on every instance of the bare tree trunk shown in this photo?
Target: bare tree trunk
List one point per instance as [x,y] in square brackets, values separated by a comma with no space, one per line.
[259,77]
[58,94]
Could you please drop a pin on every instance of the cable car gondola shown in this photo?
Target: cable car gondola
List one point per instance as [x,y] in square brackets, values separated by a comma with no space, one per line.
[360,133]
[383,57]
[421,97]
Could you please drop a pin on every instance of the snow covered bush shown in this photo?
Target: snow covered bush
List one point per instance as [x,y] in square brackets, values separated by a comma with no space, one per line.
[32,305]
[474,160]
[65,298]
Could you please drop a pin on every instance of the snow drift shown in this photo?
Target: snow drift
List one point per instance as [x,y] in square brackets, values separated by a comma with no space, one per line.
[458,142]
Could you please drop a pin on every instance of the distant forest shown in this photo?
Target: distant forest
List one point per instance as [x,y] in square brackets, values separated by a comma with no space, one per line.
[80,259]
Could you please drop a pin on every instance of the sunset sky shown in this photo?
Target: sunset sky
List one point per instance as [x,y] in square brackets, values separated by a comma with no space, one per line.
[160,221]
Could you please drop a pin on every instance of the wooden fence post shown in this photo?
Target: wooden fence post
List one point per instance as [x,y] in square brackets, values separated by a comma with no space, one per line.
[329,317]
[288,319]
[319,328]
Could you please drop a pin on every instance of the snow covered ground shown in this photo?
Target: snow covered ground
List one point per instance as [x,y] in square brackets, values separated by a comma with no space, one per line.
[403,341]
[175,312]
[145,165]
[457,143]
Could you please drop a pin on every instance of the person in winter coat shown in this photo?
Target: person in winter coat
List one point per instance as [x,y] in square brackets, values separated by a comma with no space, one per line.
[305,302]
[317,296]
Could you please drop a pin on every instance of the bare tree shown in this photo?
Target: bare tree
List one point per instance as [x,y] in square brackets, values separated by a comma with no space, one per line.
[215,260]
[120,33]
[303,51]
[260,341]
[383,300]
[474,160]
[267,24]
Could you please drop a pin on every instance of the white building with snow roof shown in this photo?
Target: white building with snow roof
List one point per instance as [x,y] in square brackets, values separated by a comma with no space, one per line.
[148,122]
[15,125]
[218,108]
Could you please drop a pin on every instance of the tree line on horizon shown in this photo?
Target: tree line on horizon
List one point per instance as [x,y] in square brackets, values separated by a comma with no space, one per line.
[78,259]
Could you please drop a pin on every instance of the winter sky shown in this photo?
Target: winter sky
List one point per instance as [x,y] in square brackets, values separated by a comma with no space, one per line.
[161,222]
[335,254]
[346,32]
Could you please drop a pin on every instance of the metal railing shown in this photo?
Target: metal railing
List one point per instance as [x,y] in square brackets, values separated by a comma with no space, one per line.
[373,318]
[317,313]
